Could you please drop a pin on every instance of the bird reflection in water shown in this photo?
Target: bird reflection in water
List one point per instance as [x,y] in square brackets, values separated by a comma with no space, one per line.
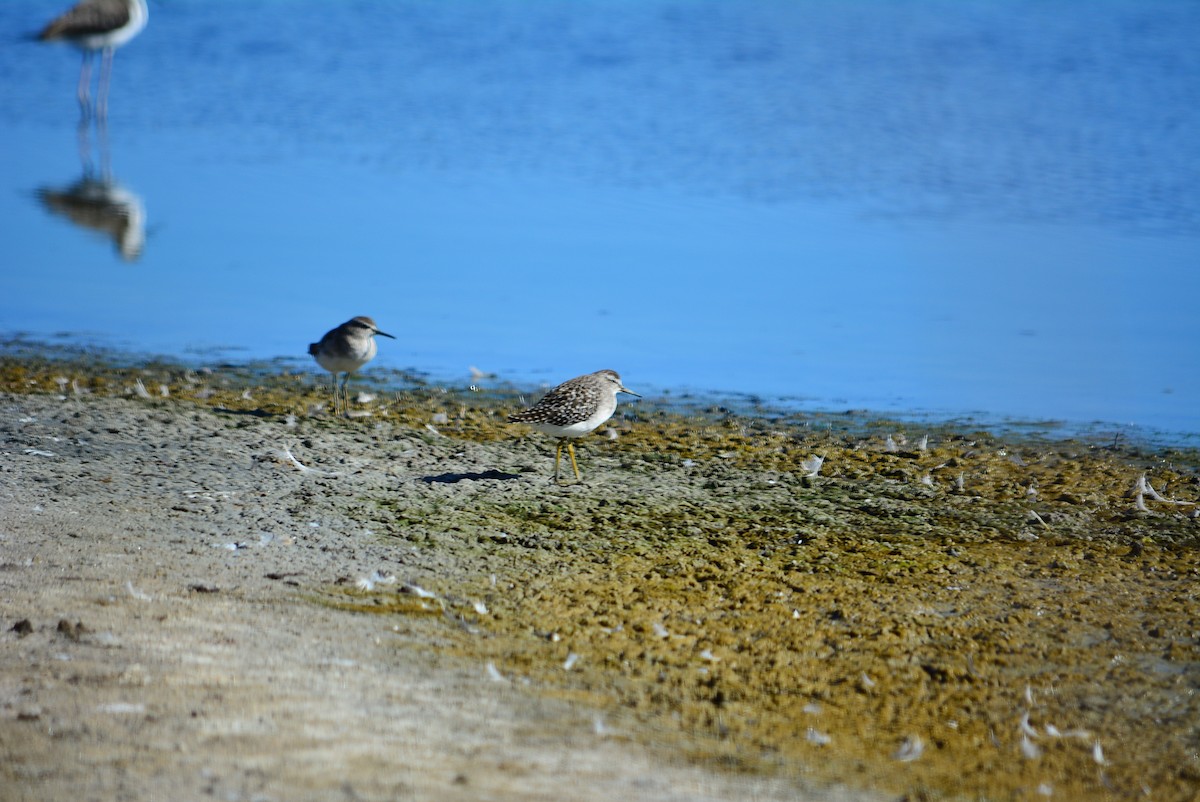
[97,201]
[104,206]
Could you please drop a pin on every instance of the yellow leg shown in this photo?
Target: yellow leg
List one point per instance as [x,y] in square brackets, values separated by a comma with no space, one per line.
[571,452]
[557,458]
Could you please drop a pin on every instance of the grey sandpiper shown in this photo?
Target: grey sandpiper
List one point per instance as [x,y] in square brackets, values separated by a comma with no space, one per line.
[346,349]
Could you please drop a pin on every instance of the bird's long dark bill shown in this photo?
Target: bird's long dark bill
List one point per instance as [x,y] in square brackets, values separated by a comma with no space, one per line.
[383,334]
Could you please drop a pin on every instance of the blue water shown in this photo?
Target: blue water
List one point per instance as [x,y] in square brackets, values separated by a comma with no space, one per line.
[958,207]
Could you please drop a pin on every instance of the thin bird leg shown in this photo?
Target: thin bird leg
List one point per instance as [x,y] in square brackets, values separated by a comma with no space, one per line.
[571,452]
[346,395]
[85,84]
[557,458]
[335,391]
[106,62]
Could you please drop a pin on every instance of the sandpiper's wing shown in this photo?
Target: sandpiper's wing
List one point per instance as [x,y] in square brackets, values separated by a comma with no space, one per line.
[89,18]
[324,343]
[571,402]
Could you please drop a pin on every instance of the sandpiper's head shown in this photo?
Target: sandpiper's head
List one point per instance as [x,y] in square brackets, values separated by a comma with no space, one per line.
[613,380]
[366,326]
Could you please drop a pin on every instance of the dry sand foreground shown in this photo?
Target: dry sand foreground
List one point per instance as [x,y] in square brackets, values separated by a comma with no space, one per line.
[186,613]
[161,556]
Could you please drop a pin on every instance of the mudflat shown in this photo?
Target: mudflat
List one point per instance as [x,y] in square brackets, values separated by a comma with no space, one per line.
[210,587]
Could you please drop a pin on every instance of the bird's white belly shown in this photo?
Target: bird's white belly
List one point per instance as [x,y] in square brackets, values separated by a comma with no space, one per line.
[602,413]
[350,361]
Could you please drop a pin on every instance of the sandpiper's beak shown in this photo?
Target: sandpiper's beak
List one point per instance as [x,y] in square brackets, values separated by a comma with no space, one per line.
[625,389]
[383,334]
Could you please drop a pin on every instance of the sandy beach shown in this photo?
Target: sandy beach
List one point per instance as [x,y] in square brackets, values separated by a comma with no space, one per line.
[211,588]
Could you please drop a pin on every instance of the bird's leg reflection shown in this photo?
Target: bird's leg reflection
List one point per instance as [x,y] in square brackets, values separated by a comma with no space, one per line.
[84,136]
[83,133]
[103,146]
[85,85]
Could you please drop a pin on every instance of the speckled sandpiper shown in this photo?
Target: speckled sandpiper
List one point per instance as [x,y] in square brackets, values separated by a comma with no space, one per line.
[346,349]
[573,409]
[97,25]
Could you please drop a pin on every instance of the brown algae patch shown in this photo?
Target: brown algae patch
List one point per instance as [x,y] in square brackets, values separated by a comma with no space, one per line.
[829,664]
[881,631]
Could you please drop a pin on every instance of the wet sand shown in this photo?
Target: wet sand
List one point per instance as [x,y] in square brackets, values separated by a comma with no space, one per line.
[422,614]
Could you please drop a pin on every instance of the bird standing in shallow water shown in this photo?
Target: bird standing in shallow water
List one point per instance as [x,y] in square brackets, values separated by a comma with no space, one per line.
[346,349]
[573,409]
[93,25]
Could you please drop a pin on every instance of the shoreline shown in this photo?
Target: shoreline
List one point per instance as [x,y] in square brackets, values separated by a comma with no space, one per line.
[423,615]
[377,378]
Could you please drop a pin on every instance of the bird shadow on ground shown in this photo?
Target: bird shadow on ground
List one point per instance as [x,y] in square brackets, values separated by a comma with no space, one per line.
[452,478]
[253,413]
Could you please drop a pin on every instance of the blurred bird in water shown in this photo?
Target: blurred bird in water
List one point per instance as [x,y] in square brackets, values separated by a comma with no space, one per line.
[97,25]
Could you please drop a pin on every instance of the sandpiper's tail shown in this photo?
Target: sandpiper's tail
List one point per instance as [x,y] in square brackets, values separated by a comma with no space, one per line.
[312,349]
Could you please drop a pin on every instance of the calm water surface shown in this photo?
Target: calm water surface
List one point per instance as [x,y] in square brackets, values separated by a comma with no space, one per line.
[963,207]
